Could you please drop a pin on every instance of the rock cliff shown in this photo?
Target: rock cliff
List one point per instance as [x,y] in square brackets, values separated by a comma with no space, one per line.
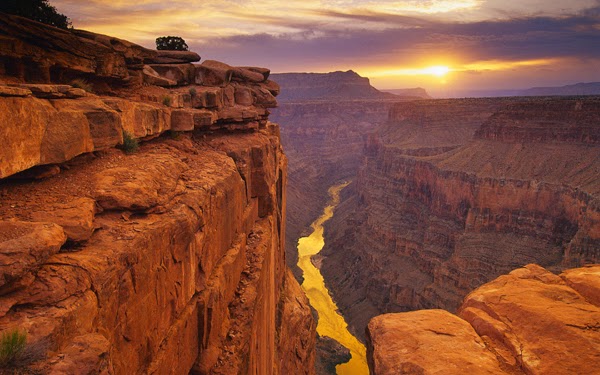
[327,87]
[323,134]
[527,322]
[168,259]
[452,194]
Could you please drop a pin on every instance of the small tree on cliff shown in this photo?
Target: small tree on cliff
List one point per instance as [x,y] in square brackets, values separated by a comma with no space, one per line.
[171,43]
[37,10]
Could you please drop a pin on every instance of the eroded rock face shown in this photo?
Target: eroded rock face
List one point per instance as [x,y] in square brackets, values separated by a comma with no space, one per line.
[527,322]
[323,139]
[429,219]
[169,260]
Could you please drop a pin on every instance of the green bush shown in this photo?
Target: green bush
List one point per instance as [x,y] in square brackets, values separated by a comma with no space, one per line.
[171,43]
[166,100]
[130,144]
[12,345]
[82,84]
[193,92]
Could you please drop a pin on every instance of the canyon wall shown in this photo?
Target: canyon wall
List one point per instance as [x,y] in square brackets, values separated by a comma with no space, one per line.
[529,321]
[454,193]
[323,128]
[165,259]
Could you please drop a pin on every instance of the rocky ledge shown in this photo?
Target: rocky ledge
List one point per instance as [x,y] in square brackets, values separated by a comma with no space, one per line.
[527,322]
[166,259]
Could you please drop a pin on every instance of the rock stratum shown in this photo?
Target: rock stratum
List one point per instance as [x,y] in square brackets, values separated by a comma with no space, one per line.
[323,134]
[166,260]
[529,321]
[453,193]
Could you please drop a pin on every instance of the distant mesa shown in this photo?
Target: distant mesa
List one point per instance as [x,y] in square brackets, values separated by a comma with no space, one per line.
[331,86]
[591,88]
[577,89]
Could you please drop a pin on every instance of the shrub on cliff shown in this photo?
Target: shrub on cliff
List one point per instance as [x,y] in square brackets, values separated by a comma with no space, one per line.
[130,143]
[171,43]
[12,345]
[37,10]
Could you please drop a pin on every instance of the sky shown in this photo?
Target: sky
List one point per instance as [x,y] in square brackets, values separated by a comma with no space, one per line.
[441,45]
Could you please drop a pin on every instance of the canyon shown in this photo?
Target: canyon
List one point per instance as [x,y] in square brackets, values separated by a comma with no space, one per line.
[319,113]
[453,193]
[150,218]
[167,258]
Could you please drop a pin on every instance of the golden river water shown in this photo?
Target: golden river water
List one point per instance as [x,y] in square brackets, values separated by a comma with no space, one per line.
[331,323]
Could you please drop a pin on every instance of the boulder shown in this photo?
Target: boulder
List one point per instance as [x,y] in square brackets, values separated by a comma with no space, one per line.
[273,87]
[427,342]
[151,77]
[264,71]
[183,74]
[247,75]
[25,246]
[264,98]
[213,73]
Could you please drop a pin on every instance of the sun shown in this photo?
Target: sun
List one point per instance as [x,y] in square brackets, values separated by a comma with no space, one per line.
[438,70]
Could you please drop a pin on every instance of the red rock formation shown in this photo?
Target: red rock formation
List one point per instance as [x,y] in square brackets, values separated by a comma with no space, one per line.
[323,141]
[430,220]
[527,322]
[169,260]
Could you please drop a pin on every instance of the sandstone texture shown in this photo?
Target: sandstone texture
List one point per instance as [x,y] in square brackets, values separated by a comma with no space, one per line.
[39,66]
[453,193]
[168,259]
[527,322]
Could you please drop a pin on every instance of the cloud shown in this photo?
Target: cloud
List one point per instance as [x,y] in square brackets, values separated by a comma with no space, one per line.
[319,35]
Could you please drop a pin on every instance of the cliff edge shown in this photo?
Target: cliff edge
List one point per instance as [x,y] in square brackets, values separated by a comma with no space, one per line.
[166,258]
[530,321]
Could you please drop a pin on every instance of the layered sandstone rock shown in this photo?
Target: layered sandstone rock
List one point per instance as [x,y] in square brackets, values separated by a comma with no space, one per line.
[169,260]
[328,87]
[428,220]
[324,119]
[527,322]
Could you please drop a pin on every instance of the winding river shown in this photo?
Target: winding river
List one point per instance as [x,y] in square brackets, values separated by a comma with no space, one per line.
[331,323]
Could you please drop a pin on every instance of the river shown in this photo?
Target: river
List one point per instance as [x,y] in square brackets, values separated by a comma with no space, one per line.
[331,323]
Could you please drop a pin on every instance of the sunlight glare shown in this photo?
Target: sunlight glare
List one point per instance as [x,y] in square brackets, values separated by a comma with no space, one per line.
[438,71]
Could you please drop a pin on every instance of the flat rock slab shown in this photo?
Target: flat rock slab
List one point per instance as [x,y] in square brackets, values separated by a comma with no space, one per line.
[427,342]
[25,247]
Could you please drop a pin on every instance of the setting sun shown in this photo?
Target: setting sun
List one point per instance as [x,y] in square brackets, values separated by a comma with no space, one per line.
[438,71]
